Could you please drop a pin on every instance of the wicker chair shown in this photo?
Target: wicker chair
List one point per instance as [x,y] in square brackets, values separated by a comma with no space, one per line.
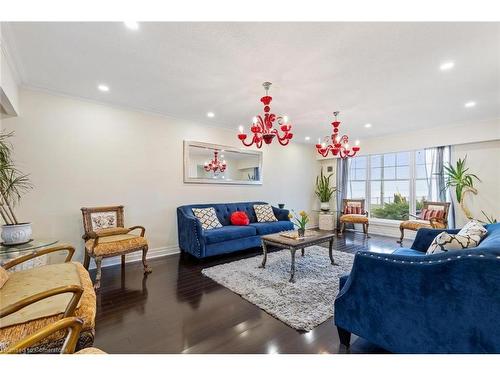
[72,325]
[433,215]
[353,212]
[105,236]
[49,285]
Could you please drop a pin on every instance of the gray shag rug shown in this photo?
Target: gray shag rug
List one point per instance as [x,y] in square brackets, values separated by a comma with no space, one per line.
[302,305]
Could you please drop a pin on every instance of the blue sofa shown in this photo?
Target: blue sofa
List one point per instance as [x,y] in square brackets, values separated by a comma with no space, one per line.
[410,302]
[204,243]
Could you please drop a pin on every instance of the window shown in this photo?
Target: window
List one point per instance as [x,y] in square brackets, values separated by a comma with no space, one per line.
[395,184]
[390,186]
[356,187]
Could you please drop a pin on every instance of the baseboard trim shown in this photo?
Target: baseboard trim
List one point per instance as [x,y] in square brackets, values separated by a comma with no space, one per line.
[137,256]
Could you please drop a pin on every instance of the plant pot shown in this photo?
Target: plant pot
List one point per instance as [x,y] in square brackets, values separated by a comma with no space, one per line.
[301,232]
[16,234]
[325,206]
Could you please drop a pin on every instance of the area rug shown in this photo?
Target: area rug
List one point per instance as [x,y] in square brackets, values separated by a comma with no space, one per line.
[302,305]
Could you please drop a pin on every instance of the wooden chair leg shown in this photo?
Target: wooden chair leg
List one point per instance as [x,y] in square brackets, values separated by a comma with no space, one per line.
[147,269]
[97,283]
[365,230]
[402,236]
[86,260]
[123,260]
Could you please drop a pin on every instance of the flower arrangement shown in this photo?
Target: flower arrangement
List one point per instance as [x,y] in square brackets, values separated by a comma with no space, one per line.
[300,221]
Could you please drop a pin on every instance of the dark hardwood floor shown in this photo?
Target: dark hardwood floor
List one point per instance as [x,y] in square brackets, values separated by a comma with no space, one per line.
[176,309]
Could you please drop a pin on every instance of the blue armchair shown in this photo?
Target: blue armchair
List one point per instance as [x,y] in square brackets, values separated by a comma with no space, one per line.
[204,243]
[410,302]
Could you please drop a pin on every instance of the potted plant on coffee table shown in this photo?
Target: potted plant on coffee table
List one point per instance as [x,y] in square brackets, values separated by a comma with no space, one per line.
[300,222]
[13,183]
[324,191]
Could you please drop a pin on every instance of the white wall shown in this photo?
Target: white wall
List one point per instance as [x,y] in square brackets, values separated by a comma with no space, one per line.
[9,101]
[81,153]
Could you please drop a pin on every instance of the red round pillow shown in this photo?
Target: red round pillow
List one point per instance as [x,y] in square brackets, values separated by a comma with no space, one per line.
[239,218]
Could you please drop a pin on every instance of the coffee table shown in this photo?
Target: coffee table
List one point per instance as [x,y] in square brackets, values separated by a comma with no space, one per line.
[316,237]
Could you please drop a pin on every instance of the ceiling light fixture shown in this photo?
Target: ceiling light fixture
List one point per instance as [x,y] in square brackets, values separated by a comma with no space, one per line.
[470,104]
[103,88]
[210,114]
[215,165]
[262,127]
[132,25]
[447,65]
[368,126]
[307,138]
[336,144]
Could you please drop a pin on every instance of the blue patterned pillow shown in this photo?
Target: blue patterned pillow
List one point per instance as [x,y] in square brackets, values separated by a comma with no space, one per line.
[207,217]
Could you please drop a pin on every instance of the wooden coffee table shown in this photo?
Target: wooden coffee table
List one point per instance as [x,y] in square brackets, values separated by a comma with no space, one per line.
[317,237]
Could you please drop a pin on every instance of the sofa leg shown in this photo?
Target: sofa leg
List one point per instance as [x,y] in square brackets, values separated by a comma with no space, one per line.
[345,337]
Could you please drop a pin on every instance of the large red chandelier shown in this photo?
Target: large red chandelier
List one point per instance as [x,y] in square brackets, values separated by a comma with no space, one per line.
[215,165]
[262,127]
[337,145]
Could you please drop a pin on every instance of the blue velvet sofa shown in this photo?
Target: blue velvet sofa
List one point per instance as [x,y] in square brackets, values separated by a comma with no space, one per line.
[204,243]
[410,302]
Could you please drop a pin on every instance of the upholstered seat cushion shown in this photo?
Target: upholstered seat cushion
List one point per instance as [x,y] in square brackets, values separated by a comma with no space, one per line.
[354,218]
[86,311]
[116,244]
[227,233]
[408,252]
[272,227]
[417,224]
[91,350]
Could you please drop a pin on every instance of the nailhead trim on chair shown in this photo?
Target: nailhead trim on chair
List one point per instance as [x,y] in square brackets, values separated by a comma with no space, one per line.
[421,262]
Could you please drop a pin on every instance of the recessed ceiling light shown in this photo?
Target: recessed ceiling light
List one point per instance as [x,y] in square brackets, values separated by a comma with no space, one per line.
[470,104]
[307,138]
[210,114]
[447,65]
[132,25]
[103,88]
[368,125]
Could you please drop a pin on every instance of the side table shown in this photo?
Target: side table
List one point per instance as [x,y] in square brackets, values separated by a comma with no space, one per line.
[7,253]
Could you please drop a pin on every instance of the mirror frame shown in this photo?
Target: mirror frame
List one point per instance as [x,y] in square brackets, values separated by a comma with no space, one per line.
[193,180]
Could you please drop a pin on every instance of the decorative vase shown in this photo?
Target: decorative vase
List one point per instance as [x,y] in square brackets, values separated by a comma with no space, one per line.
[281,205]
[301,232]
[325,206]
[16,234]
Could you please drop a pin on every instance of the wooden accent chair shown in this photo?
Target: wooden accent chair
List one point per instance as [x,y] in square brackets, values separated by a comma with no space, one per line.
[34,298]
[432,215]
[72,325]
[105,236]
[353,212]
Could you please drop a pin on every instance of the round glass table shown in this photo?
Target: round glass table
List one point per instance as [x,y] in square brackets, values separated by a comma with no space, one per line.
[7,253]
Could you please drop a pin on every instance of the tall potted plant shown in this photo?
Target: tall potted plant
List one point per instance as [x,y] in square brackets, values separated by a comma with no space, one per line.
[13,183]
[324,191]
[458,177]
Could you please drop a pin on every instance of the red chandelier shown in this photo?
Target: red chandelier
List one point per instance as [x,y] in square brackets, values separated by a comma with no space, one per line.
[262,128]
[215,165]
[336,144]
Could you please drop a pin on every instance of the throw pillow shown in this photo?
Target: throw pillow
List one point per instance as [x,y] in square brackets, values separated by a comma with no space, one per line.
[264,213]
[473,229]
[446,242]
[207,217]
[4,276]
[239,218]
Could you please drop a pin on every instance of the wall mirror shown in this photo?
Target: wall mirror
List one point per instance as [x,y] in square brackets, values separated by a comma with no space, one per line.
[216,164]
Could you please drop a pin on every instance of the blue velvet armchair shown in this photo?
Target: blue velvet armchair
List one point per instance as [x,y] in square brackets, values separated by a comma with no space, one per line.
[410,302]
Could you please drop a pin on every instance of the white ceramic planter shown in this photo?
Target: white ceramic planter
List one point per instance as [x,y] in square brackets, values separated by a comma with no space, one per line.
[325,206]
[16,234]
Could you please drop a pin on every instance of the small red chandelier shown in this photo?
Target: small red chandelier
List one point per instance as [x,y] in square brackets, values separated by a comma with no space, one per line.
[215,165]
[262,128]
[336,144]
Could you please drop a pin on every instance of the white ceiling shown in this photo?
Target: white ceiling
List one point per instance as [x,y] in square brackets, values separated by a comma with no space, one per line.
[386,74]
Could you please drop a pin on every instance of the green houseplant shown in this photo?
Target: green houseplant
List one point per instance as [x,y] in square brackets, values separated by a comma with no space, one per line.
[300,222]
[13,183]
[324,191]
[459,178]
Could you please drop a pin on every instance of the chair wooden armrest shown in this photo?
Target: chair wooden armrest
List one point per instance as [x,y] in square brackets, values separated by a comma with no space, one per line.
[414,216]
[72,324]
[434,220]
[70,249]
[70,309]
[143,230]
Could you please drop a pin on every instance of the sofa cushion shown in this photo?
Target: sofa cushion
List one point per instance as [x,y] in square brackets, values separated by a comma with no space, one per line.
[446,242]
[475,230]
[408,252]
[207,217]
[264,213]
[229,232]
[272,227]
